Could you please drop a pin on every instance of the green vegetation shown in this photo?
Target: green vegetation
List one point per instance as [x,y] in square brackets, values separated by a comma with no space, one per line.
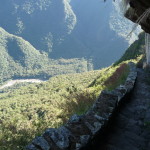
[19,59]
[135,50]
[78,102]
[113,76]
[26,112]
[118,77]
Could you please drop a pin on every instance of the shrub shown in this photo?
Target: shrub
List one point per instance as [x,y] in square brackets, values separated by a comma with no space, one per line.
[78,102]
[118,77]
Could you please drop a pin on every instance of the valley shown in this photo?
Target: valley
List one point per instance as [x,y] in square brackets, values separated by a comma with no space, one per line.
[27,111]
[56,57]
[44,38]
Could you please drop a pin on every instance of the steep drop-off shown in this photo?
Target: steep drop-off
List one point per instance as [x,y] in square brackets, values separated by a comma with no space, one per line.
[68,28]
[27,111]
[131,127]
[139,12]
[19,59]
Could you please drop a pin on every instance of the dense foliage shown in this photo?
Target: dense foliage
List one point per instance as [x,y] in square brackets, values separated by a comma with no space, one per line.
[19,59]
[135,50]
[27,111]
[64,29]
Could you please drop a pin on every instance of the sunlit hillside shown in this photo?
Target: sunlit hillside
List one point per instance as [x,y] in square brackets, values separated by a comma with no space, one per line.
[19,59]
[27,111]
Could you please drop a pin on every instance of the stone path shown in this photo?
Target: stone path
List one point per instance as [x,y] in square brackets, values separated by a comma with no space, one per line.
[131,130]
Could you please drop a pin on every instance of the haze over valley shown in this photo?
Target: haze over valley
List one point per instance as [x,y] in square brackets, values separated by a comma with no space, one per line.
[39,38]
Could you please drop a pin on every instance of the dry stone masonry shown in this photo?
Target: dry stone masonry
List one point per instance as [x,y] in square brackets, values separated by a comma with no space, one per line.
[81,131]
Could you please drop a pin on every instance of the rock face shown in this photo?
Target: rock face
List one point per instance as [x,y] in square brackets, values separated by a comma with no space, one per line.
[139,12]
[137,9]
[41,22]
[80,131]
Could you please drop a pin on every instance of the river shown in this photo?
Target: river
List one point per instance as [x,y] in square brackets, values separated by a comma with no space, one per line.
[13,82]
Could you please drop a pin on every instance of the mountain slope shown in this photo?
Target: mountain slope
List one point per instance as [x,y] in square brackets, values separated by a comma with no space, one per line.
[68,28]
[135,50]
[20,59]
[38,21]
[27,111]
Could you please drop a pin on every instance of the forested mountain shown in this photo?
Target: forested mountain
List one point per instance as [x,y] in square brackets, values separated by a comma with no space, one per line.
[26,111]
[40,33]
[20,59]
[45,38]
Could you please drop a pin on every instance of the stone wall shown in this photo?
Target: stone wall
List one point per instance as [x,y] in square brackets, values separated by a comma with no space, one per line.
[81,132]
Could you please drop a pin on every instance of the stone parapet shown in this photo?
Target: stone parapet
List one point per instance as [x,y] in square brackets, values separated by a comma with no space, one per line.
[80,131]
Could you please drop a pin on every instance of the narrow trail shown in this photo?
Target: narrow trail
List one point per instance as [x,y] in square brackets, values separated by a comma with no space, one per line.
[131,130]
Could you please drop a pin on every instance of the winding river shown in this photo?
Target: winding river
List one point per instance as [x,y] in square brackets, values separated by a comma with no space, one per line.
[13,82]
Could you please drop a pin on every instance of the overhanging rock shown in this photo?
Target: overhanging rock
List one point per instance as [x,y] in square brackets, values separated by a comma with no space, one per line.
[139,10]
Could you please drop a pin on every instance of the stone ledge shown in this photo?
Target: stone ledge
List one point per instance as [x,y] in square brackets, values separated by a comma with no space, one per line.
[79,131]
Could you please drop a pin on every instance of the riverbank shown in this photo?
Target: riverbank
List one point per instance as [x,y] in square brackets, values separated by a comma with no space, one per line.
[18,81]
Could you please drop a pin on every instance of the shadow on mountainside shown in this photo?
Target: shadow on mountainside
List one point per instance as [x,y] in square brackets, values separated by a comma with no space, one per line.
[131,129]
